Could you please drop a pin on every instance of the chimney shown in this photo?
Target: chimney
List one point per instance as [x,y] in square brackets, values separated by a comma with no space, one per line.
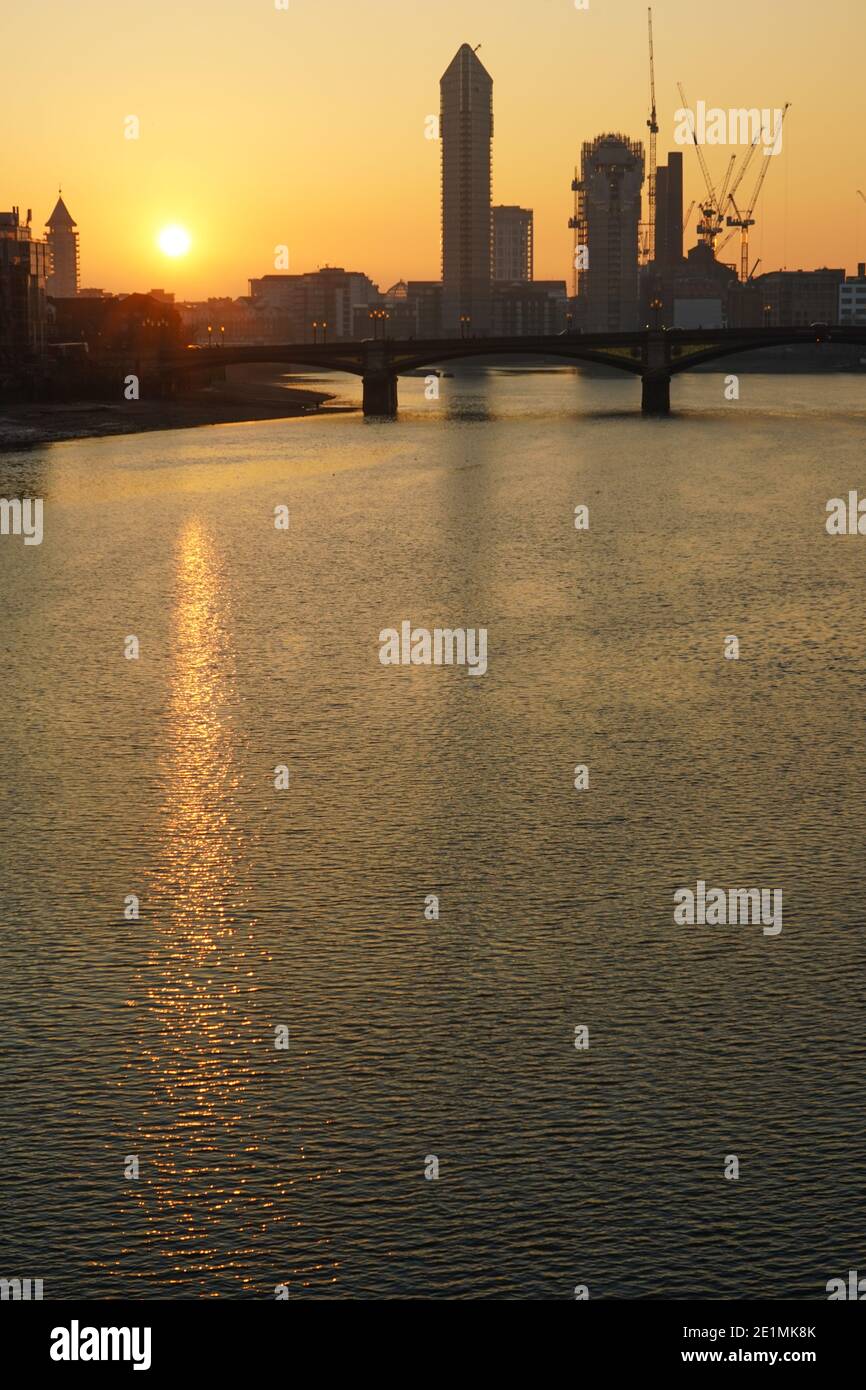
[861,270]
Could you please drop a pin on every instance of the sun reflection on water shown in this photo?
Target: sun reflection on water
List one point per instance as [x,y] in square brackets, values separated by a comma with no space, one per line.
[199,1048]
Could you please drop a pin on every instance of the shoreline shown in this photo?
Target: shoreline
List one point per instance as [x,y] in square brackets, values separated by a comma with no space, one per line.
[246,398]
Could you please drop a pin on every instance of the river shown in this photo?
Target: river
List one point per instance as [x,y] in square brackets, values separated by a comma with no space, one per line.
[159,1140]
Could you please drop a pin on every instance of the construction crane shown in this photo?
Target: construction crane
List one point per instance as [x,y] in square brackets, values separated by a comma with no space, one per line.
[745,169]
[862,194]
[653,127]
[747,221]
[688,217]
[723,191]
[574,223]
[713,219]
[731,197]
[720,201]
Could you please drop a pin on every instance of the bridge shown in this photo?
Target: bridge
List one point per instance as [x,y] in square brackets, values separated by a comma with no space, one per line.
[655,355]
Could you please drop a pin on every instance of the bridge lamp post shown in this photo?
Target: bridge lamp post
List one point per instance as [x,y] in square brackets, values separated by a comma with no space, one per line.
[768,310]
[656,307]
[210,335]
[222,335]
[465,320]
[324,330]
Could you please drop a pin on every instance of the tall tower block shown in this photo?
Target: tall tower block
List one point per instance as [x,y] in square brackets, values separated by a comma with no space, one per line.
[513,254]
[62,241]
[675,207]
[466,131]
[669,212]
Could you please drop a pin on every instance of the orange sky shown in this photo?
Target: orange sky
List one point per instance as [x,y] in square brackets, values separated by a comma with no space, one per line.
[306,126]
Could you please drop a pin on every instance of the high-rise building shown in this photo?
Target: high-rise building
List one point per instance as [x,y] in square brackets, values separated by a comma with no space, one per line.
[466,131]
[62,240]
[512,243]
[658,279]
[669,212]
[22,291]
[609,206]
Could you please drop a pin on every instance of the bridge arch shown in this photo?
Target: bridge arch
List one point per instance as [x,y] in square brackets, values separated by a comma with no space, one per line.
[716,351]
[403,355]
[571,350]
[206,359]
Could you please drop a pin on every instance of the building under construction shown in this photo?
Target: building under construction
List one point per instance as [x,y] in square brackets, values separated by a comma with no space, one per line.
[607,222]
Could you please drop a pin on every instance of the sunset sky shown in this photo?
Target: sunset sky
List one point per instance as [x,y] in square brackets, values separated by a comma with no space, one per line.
[306,127]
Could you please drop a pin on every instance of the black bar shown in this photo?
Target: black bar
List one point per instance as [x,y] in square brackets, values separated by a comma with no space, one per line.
[227,1337]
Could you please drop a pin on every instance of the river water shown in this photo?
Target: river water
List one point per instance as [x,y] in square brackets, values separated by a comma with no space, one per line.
[150,1043]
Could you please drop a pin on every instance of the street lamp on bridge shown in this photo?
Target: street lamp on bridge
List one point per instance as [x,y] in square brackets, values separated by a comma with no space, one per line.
[379,316]
[465,321]
[656,307]
[768,310]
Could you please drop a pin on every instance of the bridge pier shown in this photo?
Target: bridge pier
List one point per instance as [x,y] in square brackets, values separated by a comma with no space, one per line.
[380,393]
[655,393]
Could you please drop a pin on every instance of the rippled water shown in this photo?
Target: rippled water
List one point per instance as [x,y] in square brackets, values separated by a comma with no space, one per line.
[304,907]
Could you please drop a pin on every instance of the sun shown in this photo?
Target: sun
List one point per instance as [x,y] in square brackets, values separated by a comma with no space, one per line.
[174,241]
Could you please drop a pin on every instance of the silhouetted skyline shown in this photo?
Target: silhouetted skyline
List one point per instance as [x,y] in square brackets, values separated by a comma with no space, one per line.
[259,128]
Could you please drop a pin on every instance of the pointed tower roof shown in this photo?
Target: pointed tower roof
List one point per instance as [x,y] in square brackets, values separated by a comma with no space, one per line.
[465,60]
[60,217]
